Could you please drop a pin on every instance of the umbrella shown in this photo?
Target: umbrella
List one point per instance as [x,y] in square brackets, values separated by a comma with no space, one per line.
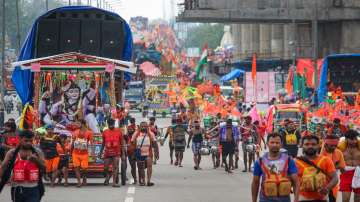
[150,69]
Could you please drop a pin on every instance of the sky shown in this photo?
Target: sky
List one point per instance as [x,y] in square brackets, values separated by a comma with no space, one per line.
[153,9]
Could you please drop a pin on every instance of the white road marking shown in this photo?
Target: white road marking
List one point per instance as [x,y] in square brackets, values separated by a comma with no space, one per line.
[131,190]
[129,199]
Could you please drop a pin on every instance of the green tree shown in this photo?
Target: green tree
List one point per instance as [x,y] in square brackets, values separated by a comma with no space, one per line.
[29,10]
[205,33]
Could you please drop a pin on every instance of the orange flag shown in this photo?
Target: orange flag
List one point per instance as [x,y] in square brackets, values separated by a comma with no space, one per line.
[253,68]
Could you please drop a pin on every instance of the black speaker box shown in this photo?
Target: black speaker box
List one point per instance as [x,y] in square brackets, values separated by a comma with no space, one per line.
[90,32]
[112,39]
[69,35]
[90,36]
[48,38]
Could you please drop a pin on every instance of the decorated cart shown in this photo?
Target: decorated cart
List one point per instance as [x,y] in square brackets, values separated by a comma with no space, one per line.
[73,86]
[158,102]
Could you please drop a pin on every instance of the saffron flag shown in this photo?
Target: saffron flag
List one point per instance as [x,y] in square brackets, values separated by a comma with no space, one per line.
[253,68]
[289,83]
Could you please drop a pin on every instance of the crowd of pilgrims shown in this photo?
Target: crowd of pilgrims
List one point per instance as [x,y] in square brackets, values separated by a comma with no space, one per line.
[30,156]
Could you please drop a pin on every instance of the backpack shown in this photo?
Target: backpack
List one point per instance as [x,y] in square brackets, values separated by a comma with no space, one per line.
[8,170]
[313,177]
[291,139]
[276,184]
[138,155]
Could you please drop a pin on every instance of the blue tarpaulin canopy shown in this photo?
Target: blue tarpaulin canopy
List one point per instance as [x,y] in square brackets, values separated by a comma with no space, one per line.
[23,79]
[322,89]
[232,75]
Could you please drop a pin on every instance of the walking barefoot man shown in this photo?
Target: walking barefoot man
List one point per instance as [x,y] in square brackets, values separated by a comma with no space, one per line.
[351,153]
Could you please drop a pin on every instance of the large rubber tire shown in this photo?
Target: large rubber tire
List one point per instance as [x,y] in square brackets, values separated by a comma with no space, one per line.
[123,172]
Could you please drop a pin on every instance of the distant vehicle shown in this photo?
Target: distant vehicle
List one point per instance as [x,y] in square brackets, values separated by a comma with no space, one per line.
[292,112]
[135,94]
[226,91]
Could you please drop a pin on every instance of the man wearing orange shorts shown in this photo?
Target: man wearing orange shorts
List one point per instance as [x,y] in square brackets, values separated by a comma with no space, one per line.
[48,146]
[330,150]
[352,158]
[82,139]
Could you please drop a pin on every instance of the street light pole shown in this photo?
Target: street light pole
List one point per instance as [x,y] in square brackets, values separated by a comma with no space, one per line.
[2,115]
[294,42]
[18,25]
[46,4]
[315,43]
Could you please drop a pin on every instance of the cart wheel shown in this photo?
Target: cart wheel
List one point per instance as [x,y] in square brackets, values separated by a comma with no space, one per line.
[123,172]
[163,114]
[154,113]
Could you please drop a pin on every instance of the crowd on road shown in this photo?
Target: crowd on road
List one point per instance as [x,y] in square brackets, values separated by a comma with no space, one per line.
[28,157]
[330,161]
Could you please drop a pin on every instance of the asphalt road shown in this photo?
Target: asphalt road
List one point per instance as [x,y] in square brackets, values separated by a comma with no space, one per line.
[172,184]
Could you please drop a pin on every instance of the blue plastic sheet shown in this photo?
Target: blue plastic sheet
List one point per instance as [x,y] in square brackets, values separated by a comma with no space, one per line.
[23,79]
[232,75]
[322,89]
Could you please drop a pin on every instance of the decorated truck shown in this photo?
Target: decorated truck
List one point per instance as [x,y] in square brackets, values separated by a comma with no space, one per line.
[292,112]
[65,76]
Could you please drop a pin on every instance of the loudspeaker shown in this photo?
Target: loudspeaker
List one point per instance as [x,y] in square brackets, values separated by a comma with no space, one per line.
[93,33]
[90,36]
[112,36]
[47,38]
[69,35]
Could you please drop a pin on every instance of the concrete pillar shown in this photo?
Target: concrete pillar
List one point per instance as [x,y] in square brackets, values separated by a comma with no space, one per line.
[255,38]
[288,36]
[236,33]
[349,40]
[304,40]
[277,40]
[245,40]
[265,40]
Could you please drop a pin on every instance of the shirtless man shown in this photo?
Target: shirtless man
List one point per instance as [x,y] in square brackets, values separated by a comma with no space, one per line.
[352,158]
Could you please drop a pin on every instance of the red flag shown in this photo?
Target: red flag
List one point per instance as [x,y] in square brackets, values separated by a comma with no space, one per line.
[253,68]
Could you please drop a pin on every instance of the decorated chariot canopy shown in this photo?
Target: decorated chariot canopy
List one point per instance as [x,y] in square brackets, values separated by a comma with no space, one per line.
[74,61]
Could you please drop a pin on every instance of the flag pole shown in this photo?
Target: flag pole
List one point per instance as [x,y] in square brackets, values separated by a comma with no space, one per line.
[253,76]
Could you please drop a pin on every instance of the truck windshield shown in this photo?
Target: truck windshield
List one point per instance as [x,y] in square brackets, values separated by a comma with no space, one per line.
[133,92]
[288,115]
[226,92]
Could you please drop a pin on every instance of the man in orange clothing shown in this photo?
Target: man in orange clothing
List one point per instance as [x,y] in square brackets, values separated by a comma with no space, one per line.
[82,139]
[52,159]
[63,149]
[317,173]
[338,93]
[114,145]
[131,148]
[330,150]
